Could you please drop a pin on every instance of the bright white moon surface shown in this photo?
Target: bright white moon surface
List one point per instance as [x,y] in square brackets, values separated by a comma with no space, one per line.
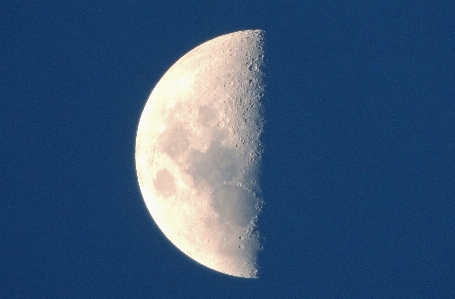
[198,152]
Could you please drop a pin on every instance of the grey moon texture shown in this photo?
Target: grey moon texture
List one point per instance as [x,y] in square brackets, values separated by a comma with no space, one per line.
[198,152]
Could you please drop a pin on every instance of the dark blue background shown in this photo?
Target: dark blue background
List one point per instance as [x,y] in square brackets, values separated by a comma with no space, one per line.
[358,172]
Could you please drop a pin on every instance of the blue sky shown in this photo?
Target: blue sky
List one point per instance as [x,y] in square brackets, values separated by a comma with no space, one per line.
[358,172]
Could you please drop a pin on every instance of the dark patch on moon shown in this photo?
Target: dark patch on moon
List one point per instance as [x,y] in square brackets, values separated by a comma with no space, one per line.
[165,183]
[234,204]
[207,116]
[174,140]
[218,168]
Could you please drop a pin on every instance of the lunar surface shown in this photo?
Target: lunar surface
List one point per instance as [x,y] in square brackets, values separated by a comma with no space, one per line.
[198,152]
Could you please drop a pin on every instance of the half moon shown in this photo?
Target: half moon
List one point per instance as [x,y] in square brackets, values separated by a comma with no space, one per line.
[198,152]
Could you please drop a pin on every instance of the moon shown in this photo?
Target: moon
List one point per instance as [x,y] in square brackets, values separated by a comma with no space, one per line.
[198,152]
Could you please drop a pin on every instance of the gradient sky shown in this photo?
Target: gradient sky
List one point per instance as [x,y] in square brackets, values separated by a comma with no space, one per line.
[358,171]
